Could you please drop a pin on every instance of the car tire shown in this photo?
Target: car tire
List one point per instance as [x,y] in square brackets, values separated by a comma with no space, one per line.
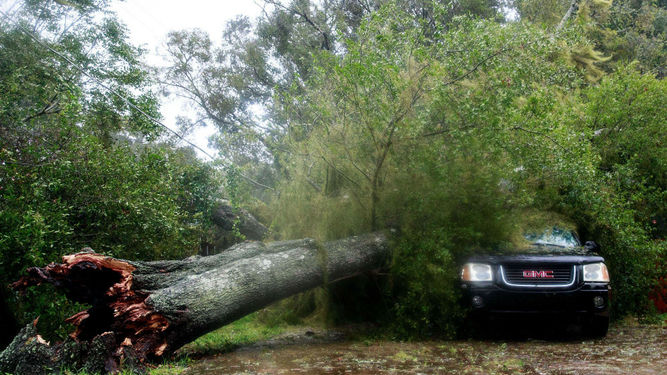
[598,326]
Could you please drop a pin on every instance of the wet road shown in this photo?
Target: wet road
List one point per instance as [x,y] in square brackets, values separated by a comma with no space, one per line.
[627,349]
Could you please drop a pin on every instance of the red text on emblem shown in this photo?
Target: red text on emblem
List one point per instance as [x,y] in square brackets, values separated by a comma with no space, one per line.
[538,274]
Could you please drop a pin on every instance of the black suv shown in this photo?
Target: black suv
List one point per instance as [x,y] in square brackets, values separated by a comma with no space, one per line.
[554,274]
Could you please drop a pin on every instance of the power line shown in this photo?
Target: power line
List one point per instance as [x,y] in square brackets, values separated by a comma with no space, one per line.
[119,95]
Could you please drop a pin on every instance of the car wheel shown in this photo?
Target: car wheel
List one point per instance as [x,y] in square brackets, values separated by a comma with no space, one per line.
[598,326]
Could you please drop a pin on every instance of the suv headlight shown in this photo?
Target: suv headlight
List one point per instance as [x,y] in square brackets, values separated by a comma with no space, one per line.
[476,272]
[596,272]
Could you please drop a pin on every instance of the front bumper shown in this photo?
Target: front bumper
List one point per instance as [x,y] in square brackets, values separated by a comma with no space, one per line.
[490,298]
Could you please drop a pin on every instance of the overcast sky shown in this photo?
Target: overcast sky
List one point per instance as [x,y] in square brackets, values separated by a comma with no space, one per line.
[149,21]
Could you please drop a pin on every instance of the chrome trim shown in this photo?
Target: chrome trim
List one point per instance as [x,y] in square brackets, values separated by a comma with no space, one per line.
[574,277]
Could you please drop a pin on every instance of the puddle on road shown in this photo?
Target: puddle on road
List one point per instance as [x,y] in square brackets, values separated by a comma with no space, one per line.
[626,350]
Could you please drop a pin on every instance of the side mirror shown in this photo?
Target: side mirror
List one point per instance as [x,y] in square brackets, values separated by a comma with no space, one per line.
[592,246]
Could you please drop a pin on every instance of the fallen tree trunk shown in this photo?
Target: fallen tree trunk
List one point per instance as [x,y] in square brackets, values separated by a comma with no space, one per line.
[142,311]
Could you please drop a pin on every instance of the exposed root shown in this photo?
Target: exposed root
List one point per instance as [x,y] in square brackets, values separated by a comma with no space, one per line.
[106,284]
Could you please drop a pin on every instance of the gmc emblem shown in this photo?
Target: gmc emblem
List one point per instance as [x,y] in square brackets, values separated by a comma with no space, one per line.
[538,274]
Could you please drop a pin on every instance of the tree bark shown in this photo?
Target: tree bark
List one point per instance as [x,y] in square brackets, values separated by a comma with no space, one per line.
[142,311]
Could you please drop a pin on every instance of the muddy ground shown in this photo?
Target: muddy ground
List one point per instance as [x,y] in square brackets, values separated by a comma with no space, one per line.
[629,348]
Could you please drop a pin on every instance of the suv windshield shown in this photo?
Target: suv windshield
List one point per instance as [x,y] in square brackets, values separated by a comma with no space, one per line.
[553,237]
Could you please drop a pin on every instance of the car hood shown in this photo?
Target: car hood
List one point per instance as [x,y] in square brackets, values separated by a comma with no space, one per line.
[536,254]
[552,250]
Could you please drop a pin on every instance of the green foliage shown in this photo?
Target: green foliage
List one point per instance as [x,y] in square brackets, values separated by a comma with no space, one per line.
[128,202]
[618,32]
[424,294]
[634,30]
[627,113]
[545,13]
[600,180]
[628,215]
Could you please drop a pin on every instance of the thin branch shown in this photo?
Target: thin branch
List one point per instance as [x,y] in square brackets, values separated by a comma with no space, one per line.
[351,160]
[474,68]
[326,44]
[340,172]
[573,7]
[542,135]
[310,181]
[49,108]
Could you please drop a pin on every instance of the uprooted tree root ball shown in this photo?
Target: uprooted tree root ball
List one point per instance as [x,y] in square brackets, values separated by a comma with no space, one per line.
[118,311]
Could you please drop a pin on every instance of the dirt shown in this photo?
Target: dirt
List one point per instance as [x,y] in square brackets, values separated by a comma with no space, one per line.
[627,349]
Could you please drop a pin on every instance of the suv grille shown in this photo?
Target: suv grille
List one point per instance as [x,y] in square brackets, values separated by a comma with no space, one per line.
[538,275]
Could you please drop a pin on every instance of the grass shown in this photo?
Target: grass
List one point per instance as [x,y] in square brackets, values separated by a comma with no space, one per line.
[244,331]
[168,368]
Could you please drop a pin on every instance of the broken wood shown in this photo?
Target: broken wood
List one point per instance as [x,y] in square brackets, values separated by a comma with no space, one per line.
[141,311]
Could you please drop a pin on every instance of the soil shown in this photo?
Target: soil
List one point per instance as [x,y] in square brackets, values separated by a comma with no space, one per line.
[629,348]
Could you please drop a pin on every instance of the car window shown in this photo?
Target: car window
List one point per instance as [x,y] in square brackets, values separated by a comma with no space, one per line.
[553,236]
